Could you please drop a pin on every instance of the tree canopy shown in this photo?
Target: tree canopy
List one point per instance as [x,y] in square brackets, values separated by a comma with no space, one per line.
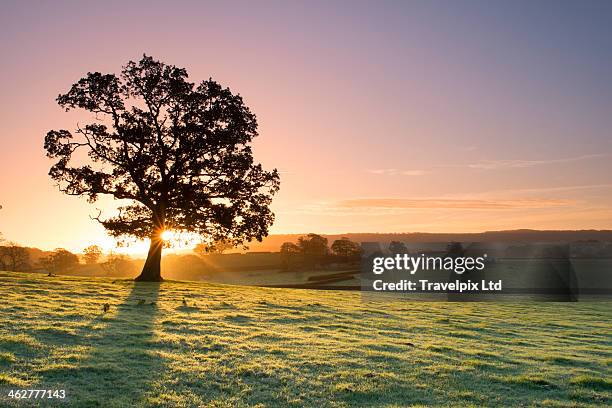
[92,254]
[14,257]
[344,247]
[313,245]
[59,260]
[178,153]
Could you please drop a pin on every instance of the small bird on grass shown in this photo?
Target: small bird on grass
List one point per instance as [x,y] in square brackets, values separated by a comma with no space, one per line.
[184,302]
[106,307]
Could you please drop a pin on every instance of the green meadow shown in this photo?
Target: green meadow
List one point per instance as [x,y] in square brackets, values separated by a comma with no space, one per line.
[188,344]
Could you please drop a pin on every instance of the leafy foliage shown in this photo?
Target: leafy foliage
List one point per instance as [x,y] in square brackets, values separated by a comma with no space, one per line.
[61,259]
[92,254]
[455,249]
[344,247]
[289,248]
[177,151]
[14,257]
[288,254]
[313,245]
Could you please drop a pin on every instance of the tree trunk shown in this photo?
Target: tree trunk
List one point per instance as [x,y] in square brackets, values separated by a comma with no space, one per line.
[151,271]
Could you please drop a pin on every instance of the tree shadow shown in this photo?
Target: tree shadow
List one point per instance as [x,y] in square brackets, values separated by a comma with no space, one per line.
[122,365]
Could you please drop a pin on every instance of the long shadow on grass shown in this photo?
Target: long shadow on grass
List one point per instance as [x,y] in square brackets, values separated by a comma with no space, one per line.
[121,366]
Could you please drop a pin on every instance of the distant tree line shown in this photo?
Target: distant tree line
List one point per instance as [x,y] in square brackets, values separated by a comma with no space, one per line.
[59,260]
[14,257]
[312,251]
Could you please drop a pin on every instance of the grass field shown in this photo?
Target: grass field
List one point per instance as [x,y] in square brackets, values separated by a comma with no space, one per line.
[247,346]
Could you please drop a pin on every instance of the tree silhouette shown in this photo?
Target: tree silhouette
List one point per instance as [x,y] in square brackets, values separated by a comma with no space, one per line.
[313,247]
[313,244]
[346,248]
[397,247]
[14,257]
[288,252]
[92,254]
[455,249]
[59,260]
[177,151]
[288,248]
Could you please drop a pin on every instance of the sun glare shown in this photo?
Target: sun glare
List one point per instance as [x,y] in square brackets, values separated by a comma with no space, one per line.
[173,240]
[167,235]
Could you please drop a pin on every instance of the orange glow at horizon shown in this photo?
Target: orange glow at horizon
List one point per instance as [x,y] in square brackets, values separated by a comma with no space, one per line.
[407,117]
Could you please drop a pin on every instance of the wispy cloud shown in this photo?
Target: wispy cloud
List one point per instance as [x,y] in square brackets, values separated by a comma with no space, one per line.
[555,189]
[449,203]
[396,172]
[398,206]
[509,164]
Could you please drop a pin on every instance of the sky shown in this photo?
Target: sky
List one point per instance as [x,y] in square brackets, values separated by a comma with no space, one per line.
[390,116]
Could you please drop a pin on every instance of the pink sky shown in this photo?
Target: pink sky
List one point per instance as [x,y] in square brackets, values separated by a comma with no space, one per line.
[390,118]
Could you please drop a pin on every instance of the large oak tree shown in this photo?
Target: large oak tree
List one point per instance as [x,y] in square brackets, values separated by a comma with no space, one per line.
[177,151]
